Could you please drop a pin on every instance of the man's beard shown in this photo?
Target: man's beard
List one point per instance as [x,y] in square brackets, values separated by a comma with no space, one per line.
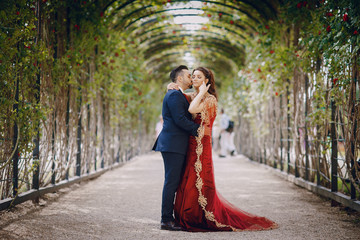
[190,86]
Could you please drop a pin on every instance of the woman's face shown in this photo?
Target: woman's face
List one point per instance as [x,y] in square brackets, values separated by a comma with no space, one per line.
[198,78]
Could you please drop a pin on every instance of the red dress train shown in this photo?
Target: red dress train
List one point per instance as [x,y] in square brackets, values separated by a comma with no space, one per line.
[198,206]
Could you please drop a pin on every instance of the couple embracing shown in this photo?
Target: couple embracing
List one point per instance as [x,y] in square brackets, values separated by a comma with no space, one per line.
[185,145]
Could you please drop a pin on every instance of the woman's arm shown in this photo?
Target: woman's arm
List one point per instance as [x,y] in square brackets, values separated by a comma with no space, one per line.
[196,105]
[173,85]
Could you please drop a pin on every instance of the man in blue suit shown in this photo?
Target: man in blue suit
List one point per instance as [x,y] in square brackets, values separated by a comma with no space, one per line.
[173,141]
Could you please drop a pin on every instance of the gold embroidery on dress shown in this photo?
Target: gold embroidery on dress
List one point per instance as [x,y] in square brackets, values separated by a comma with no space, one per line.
[209,100]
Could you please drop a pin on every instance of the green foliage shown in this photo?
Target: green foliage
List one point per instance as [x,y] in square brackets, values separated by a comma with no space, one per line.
[19,61]
[328,36]
[77,49]
[87,49]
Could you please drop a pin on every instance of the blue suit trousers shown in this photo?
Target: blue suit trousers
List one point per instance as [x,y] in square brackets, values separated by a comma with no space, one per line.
[173,164]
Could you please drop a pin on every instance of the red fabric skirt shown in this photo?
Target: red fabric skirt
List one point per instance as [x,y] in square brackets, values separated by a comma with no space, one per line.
[212,213]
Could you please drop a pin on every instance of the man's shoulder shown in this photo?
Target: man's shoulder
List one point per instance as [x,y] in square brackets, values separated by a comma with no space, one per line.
[173,92]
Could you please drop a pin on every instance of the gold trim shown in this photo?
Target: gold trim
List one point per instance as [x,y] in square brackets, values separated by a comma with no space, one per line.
[198,165]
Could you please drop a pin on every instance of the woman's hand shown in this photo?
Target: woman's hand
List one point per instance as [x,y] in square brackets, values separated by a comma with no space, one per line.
[172,86]
[203,88]
[196,106]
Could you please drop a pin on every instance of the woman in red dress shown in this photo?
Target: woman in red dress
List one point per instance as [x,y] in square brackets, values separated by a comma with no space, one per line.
[198,206]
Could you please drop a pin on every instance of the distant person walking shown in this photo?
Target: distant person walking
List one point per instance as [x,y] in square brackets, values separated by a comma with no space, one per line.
[226,135]
[216,137]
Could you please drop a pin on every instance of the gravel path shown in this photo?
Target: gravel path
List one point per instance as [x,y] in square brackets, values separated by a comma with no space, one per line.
[125,204]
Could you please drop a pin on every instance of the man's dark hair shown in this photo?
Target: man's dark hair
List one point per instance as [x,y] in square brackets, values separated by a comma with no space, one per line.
[176,72]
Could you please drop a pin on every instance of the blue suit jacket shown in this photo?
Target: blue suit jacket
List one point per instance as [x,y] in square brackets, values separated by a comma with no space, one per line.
[177,126]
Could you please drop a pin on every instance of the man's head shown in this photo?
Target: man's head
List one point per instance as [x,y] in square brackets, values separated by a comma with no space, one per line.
[182,76]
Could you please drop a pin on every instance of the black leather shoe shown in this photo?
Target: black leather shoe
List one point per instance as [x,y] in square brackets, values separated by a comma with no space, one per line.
[171,226]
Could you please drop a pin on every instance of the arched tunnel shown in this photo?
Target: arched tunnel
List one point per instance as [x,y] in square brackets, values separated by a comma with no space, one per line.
[82,84]
[207,32]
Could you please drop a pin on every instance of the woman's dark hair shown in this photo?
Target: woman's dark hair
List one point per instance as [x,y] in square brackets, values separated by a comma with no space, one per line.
[209,75]
[176,72]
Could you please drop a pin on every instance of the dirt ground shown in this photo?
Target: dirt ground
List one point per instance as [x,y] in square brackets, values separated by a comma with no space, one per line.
[124,203]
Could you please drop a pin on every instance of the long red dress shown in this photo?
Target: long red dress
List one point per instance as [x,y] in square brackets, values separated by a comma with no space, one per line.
[198,206]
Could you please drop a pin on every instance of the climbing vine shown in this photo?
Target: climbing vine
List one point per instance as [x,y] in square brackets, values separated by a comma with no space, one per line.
[299,66]
[81,82]
[91,77]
